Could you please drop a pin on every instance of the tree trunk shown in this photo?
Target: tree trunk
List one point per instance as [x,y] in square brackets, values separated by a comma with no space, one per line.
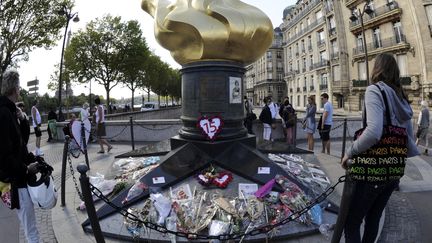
[133,99]
[148,95]
[107,98]
[159,101]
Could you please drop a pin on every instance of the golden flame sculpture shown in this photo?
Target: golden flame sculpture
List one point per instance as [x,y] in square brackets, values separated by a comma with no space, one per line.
[198,30]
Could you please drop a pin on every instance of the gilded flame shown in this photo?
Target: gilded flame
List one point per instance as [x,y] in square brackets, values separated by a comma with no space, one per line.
[195,30]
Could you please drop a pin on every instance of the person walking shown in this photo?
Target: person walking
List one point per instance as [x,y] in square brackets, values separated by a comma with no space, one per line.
[52,120]
[385,102]
[266,118]
[15,168]
[84,112]
[326,123]
[309,124]
[423,125]
[281,108]
[37,122]
[250,116]
[290,119]
[23,122]
[100,127]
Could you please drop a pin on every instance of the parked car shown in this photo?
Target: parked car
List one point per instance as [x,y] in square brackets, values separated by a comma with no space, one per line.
[148,106]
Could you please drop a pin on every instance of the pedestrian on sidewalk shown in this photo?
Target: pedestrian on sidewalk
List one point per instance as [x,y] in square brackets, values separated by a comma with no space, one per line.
[100,127]
[37,122]
[250,116]
[23,122]
[15,167]
[52,120]
[423,125]
[384,100]
[281,108]
[290,119]
[326,123]
[308,123]
[266,118]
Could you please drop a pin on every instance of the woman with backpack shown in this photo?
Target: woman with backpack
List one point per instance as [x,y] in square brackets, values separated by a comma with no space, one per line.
[290,119]
[309,123]
[266,118]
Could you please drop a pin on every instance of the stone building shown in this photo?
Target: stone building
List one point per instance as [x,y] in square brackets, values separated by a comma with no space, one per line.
[315,52]
[402,28]
[264,77]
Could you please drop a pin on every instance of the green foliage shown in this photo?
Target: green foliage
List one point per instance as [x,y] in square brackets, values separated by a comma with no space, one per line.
[26,25]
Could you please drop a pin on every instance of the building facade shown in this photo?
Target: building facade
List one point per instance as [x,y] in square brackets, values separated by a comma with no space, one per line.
[396,27]
[265,77]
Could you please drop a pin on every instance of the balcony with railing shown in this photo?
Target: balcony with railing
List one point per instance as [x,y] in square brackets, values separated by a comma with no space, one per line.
[384,14]
[332,32]
[320,42]
[299,16]
[308,28]
[395,43]
[359,83]
[292,73]
[321,64]
[323,86]
[311,88]
[353,3]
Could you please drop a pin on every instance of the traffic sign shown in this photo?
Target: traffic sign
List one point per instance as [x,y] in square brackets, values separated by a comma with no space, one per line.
[33,83]
[33,89]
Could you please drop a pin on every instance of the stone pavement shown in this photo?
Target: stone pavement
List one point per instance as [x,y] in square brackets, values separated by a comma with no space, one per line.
[406,216]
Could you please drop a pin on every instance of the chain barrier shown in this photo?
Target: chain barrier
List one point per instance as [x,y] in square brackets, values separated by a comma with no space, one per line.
[153,129]
[333,128]
[72,171]
[223,237]
[118,134]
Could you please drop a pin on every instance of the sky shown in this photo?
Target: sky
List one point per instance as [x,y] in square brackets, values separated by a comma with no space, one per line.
[41,61]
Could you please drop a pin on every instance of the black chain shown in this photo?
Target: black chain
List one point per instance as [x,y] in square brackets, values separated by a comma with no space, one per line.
[73,178]
[261,230]
[117,134]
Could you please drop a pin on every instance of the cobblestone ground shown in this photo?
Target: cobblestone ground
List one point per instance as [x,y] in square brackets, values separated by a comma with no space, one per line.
[401,223]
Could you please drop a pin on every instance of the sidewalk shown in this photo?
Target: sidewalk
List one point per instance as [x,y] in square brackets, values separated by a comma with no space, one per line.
[405,223]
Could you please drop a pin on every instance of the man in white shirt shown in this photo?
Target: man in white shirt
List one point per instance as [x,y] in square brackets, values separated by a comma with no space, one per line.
[37,121]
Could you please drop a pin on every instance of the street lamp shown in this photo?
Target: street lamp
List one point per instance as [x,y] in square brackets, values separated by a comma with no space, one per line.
[358,14]
[69,15]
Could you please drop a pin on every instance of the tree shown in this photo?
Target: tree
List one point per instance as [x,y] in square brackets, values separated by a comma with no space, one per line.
[136,55]
[97,52]
[26,25]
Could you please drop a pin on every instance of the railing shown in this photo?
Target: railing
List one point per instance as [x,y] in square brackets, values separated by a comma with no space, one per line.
[376,13]
[332,31]
[320,64]
[359,83]
[311,88]
[304,89]
[307,29]
[320,42]
[389,42]
[405,80]
[298,89]
[292,72]
[300,16]
[334,55]
[269,68]
[323,86]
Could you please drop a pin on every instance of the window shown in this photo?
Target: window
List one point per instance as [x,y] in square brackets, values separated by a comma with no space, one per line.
[303,48]
[323,56]
[305,82]
[269,54]
[298,101]
[362,71]
[334,47]
[269,89]
[304,100]
[403,64]
[297,48]
[332,26]
[360,43]
[318,15]
[336,73]
[279,54]
[324,79]
[428,9]
[311,60]
[377,38]
[298,65]
[304,64]
[301,26]
[310,42]
[270,75]
[321,37]
[290,53]
[312,80]
[397,28]
[308,21]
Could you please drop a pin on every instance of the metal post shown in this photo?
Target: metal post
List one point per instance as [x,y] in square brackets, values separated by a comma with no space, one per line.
[343,210]
[132,133]
[88,200]
[84,144]
[344,137]
[63,171]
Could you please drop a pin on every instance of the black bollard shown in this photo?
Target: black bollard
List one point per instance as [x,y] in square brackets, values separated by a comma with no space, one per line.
[88,200]
[132,133]
[344,137]
[84,144]
[63,171]
[348,190]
